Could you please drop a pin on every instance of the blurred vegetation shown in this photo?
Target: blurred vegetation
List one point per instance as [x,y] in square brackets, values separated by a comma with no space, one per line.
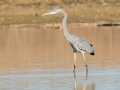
[29,11]
[55,2]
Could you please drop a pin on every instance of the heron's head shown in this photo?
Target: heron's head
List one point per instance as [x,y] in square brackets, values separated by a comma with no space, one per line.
[54,11]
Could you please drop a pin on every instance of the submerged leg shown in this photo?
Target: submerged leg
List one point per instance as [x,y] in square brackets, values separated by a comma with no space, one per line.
[85,62]
[74,61]
[75,84]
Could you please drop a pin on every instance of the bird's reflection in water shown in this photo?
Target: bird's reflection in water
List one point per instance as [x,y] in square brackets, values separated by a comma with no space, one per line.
[84,86]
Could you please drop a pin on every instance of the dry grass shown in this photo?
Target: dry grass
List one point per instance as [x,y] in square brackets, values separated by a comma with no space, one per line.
[29,11]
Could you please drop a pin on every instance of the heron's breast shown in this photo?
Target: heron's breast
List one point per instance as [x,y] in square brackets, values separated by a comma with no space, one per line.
[75,47]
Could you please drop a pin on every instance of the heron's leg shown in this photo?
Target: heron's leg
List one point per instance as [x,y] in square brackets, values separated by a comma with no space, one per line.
[75,84]
[74,61]
[85,61]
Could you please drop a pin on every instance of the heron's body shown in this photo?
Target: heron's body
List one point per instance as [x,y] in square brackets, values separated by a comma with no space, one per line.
[80,44]
[77,43]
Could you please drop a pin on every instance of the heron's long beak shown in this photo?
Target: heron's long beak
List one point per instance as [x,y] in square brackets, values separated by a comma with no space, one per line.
[48,13]
[44,14]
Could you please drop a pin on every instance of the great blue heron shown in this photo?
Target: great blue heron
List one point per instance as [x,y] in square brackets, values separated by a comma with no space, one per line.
[77,43]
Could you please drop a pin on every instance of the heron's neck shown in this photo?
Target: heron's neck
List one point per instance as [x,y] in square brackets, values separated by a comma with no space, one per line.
[64,26]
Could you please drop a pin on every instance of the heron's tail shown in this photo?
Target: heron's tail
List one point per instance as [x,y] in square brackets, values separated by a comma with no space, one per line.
[92,53]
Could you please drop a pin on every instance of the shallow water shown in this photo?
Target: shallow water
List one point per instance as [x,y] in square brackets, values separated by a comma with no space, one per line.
[42,59]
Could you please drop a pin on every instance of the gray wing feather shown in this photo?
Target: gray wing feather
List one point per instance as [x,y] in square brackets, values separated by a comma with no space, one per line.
[81,43]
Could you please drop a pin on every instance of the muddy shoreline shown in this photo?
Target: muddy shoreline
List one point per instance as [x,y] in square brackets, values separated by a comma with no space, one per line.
[58,25]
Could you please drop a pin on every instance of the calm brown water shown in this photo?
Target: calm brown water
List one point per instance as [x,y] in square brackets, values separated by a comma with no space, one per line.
[42,59]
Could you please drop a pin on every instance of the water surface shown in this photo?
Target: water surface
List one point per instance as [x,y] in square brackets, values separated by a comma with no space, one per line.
[42,59]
